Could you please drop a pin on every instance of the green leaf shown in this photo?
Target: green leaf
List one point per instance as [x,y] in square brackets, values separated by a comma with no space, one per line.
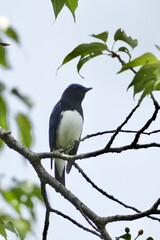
[85,50]
[22,194]
[120,35]
[19,226]
[102,36]
[146,58]
[2,229]
[9,225]
[57,6]
[23,226]
[126,236]
[10,32]
[125,50]
[3,57]
[72,5]
[25,129]
[23,98]
[12,199]
[85,59]
[3,116]
[146,80]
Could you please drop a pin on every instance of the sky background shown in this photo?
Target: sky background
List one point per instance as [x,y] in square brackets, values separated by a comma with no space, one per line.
[133,176]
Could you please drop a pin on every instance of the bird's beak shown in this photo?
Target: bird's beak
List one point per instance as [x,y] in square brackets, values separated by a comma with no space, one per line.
[88,89]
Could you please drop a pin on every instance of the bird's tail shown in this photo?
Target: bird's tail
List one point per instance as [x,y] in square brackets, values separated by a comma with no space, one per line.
[61,178]
[60,171]
[69,166]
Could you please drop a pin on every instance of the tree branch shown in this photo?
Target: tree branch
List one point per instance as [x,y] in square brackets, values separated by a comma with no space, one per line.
[48,207]
[148,123]
[111,197]
[75,222]
[151,211]
[122,125]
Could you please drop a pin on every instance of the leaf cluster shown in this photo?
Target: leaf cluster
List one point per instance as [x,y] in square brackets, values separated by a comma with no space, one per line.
[127,235]
[20,197]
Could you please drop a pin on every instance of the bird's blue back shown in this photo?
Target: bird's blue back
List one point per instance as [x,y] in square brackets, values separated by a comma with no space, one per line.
[53,123]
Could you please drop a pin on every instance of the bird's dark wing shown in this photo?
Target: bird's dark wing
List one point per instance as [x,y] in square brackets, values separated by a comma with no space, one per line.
[72,152]
[53,123]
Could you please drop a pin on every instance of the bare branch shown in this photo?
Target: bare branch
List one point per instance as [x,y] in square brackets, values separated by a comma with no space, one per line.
[122,125]
[74,222]
[47,215]
[148,123]
[36,157]
[49,209]
[113,131]
[45,177]
[111,197]
[151,211]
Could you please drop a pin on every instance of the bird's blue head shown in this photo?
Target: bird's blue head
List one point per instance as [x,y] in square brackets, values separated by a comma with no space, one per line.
[75,92]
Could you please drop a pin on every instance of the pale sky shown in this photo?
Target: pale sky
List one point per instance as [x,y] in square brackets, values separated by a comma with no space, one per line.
[133,176]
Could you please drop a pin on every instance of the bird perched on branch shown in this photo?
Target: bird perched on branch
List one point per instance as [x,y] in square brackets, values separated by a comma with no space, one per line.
[65,126]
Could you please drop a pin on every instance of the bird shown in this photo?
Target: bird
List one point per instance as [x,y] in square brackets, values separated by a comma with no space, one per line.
[65,127]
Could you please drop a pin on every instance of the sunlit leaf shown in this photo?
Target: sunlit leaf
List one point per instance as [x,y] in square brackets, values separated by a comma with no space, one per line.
[3,116]
[22,194]
[25,129]
[2,229]
[146,58]
[18,225]
[102,36]
[12,199]
[10,32]
[9,225]
[3,113]
[23,226]
[121,35]
[146,80]
[57,6]
[72,5]
[25,99]
[3,57]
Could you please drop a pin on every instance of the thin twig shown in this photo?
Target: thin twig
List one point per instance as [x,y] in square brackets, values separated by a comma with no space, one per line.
[74,222]
[104,193]
[121,126]
[47,215]
[148,123]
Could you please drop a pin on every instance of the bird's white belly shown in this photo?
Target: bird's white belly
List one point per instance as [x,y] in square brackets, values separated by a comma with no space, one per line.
[70,128]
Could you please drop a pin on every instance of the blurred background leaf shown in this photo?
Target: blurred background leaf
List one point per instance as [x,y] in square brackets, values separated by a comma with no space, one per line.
[3,116]
[22,195]
[25,129]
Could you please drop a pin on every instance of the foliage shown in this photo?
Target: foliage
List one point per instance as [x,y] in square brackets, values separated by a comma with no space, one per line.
[128,236]
[20,198]
[22,195]
[145,80]
[8,33]
[58,5]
